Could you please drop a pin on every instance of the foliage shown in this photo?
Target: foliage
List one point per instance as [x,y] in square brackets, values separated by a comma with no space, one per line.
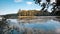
[55,5]
[42,4]
[10,16]
[33,13]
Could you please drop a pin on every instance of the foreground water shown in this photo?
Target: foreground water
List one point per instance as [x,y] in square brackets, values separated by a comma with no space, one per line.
[42,26]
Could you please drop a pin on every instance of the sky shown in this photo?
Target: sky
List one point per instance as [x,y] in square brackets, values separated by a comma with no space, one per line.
[12,6]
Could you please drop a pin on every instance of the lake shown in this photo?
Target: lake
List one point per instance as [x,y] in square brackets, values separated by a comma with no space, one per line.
[35,26]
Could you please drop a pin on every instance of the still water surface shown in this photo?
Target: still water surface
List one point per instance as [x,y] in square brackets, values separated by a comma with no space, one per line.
[44,25]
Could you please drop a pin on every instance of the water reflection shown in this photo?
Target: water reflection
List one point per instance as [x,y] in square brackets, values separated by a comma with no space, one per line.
[38,26]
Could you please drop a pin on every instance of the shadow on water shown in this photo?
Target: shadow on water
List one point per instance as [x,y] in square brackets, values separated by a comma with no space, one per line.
[38,26]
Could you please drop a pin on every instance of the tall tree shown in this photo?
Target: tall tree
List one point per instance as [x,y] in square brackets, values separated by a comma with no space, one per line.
[47,4]
[43,4]
[56,8]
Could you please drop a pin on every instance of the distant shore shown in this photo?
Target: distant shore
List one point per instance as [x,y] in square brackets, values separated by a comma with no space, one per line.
[40,18]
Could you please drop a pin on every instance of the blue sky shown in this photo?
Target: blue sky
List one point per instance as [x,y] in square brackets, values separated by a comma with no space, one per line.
[12,6]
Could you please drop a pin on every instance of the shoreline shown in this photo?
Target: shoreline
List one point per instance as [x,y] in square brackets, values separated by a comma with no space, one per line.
[40,18]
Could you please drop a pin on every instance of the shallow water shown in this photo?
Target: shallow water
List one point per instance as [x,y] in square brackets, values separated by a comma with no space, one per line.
[43,26]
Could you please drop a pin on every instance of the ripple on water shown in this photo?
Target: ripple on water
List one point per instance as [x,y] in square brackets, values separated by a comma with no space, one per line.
[46,25]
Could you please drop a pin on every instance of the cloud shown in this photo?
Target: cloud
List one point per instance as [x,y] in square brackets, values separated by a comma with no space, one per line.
[52,1]
[37,9]
[29,3]
[17,0]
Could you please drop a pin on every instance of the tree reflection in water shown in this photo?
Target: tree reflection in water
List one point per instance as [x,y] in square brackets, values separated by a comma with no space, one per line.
[46,27]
